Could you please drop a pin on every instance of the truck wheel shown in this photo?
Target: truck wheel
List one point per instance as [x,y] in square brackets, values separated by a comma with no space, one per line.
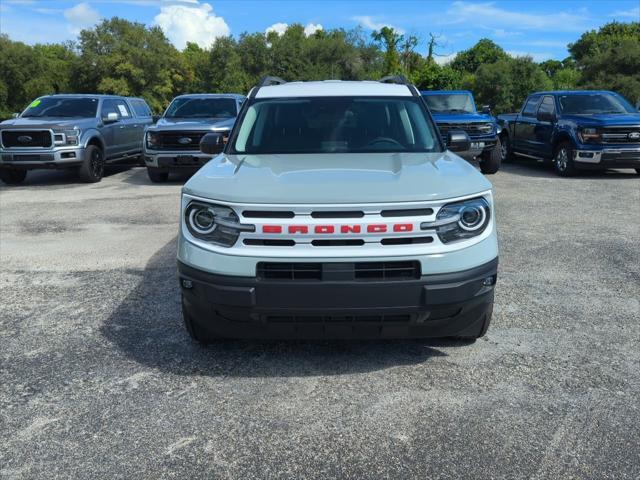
[490,160]
[192,328]
[156,175]
[12,176]
[506,154]
[92,168]
[563,160]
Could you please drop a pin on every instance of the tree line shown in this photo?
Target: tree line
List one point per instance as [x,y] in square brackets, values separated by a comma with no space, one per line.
[125,58]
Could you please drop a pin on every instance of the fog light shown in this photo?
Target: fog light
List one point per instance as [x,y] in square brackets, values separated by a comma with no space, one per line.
[489,281]
[187,283]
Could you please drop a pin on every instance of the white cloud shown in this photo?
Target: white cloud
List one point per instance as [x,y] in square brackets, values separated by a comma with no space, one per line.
[81,16]
[631,13]
[370,23]
[490,15]
[537,56]
[444,59]
[312,28]
[191,22]
[278,28]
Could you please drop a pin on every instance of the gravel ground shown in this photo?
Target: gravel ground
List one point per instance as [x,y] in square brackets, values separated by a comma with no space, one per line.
[98,379]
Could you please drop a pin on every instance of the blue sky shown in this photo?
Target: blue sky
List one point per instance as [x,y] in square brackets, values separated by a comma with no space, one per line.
[541,28]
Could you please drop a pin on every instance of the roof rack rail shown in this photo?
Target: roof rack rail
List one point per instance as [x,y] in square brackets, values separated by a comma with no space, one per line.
[265,82]
[398,79]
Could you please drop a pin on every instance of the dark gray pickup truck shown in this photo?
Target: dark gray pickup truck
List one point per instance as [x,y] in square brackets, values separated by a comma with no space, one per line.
[84,132]
[173,143]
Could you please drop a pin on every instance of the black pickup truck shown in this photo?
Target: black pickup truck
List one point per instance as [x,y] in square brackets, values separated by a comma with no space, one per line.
[576,130]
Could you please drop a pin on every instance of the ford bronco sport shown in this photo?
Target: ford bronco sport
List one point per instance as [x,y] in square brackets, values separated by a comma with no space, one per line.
[334,211]
[84,132]
[173,144]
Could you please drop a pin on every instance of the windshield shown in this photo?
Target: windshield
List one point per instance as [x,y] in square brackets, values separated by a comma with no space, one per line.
[62,107]
[450,103]
[593,103]
[202,108]
[336,125]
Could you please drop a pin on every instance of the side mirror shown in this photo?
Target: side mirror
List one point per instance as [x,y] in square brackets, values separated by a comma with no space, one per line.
[486,109]
[458,141]
[155,118]
[545,117]
[212,143]
[110,118]
[15,115]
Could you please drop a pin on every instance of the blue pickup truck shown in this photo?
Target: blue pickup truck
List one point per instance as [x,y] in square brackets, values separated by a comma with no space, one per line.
[456,110]
[576,130]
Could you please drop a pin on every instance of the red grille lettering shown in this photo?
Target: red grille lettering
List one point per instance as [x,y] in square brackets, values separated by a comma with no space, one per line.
[298,229]
[350,229]
[325,229]
[271,229]
[377,228]
[403,227]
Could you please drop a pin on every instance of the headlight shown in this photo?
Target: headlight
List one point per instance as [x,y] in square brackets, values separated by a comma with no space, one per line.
[153,140]
[212,223]
[589,135]
[461,220]
[486,128]
[66,137]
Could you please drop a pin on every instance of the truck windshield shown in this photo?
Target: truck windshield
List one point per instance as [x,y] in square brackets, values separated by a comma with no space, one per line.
[450,103]
[62,107]
[202,108]
[593,103]
[336,125]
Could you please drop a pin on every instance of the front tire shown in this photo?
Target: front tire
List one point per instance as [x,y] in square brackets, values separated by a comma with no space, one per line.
[92,168]
[506,152]
[563,160]
[490,160]
[156,175]
[12,176]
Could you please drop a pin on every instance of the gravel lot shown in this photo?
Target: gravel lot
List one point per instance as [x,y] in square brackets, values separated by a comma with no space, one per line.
[98,379]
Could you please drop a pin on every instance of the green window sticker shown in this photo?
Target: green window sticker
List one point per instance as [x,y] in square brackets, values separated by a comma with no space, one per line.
[34,104]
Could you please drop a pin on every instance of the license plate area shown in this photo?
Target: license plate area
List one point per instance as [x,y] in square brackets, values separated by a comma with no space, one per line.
[477,145]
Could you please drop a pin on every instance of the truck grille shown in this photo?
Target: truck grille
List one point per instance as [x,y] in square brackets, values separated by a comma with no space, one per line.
[188,141]
[359,271]
[622,134]
[472,129]
[26,138]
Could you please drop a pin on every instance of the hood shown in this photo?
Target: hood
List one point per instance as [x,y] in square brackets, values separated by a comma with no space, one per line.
[183,124]
[605,119]
[336,178]
[462,117]
[48,122]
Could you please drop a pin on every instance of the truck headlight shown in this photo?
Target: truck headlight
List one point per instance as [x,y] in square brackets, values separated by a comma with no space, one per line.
[153,139]
[66,137]
[213,223]
[461,220]
[589,135]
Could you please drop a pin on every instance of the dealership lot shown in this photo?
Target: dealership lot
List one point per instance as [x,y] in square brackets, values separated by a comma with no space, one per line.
[99,379]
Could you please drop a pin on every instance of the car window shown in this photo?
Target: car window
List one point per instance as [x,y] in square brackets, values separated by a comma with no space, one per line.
[547,105]
[202,107]
[593,103]
[62,107]
[141,108]
[336,125]
[450,103]
[530,107]
[116,106]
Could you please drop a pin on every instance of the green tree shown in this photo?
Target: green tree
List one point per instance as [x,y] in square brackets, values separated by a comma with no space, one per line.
[482,53]
[390,40]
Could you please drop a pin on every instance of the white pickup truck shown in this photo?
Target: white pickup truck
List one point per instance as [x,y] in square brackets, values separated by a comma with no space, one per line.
[334,211]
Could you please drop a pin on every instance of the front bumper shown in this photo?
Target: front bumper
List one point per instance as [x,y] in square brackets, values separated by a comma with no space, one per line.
[440,305]
[607,157]
[479,144]
[35,158]
[175,160]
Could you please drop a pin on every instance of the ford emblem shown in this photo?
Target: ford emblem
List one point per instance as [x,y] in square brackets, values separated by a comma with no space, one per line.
[184,141]
[25,139]
[634,136]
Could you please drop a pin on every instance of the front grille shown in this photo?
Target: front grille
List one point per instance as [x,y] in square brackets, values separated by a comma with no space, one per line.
[26,138]
[623,134]
[472,129]
[359,271]
[179,141]
[338,318]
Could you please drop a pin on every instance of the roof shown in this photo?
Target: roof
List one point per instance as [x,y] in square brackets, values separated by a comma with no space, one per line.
[211,95]
[86,95]
[571,92]
[441,92]
[334,88]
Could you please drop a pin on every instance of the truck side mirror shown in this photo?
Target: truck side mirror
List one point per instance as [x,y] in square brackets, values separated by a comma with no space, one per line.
[545,116]
[458,141]
[486,109]
[111,117]
[212,143]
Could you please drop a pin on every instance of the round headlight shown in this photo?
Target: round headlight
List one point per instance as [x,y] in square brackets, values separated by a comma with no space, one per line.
[471,217]
[202,220]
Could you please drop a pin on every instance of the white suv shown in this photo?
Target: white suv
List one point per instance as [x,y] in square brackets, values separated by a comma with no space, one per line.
[335,211]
